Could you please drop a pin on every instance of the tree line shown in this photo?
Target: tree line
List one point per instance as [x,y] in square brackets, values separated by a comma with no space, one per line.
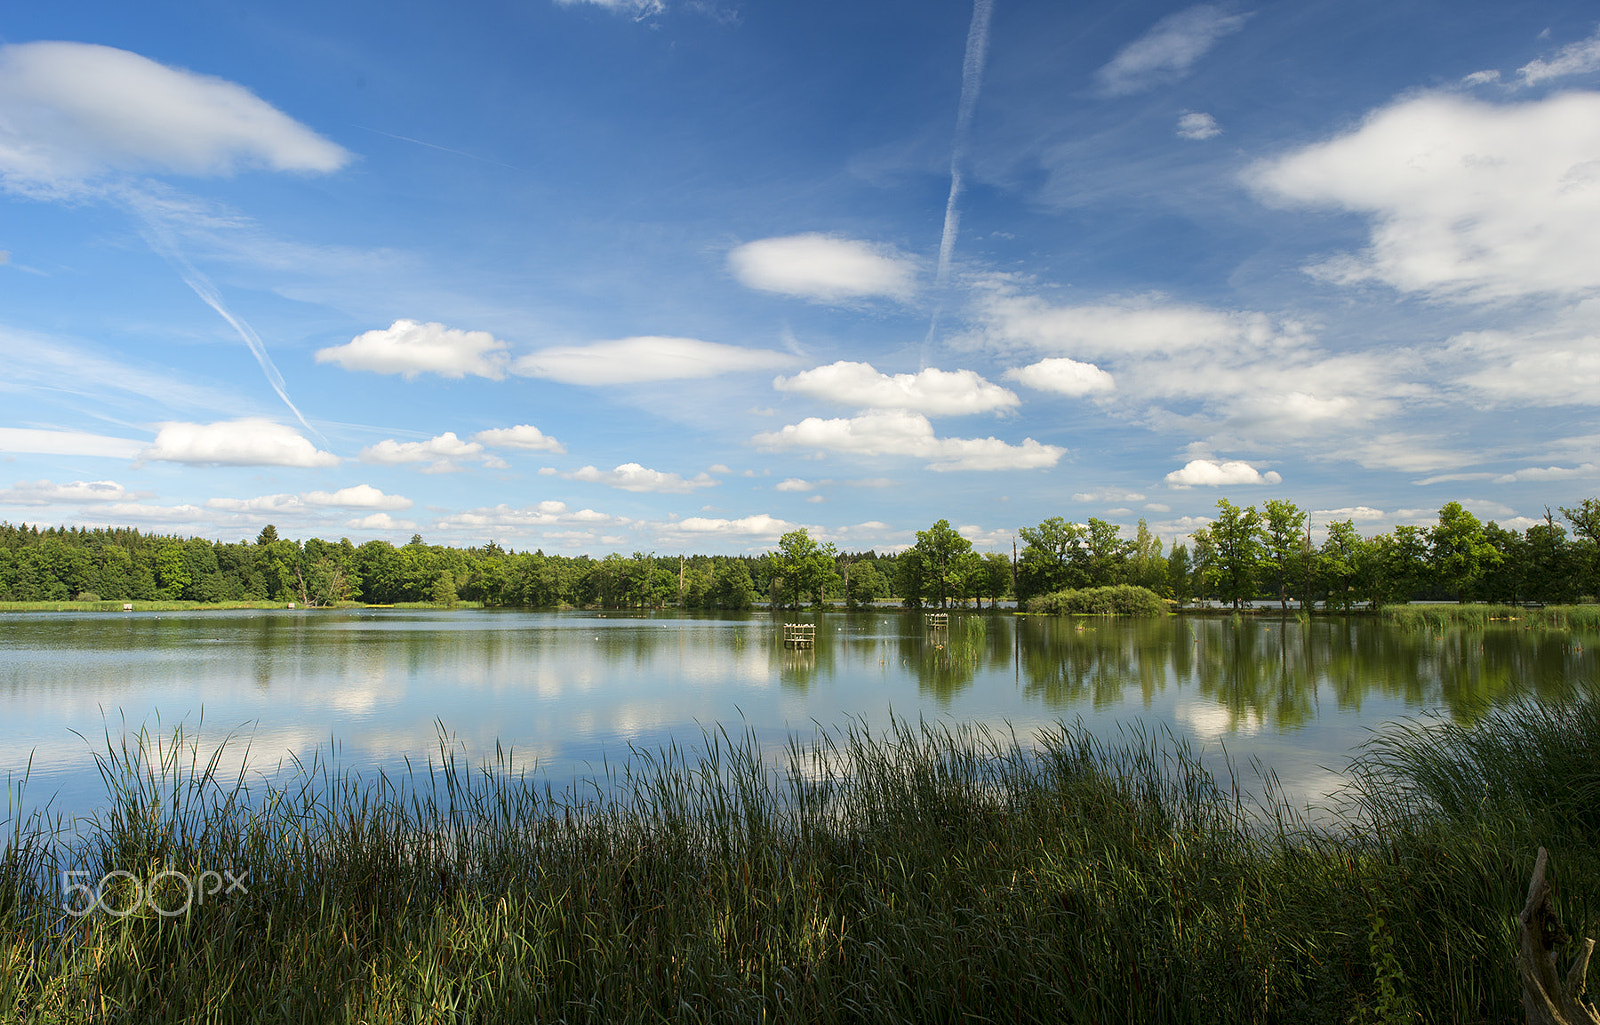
[1243,554]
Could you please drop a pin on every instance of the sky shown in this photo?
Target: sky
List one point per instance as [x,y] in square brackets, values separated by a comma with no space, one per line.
[685,275]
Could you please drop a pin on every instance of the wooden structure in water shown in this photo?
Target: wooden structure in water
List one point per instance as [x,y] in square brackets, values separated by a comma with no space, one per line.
[799,635]
[938,619]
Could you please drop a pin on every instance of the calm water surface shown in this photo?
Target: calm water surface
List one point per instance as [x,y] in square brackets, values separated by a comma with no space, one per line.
[570,689]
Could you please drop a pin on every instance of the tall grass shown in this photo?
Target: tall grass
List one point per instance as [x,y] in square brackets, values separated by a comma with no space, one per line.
[924,873]
[1571,617]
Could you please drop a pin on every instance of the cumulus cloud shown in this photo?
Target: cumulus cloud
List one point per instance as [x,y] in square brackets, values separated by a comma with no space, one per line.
[1470,201]
[901,433]
[633,477]
[360,496]
[1580,58]
[1198,126]
[648,358]
[44,492]
[793,484]
[72,111]
[442,453]
[1208,473]
[824,268]
[524,437]
[1063,376]
[409,348]
[65,443]
[932,391]
[380,521]
[760,525]
[1168,50]
[1227,372]
[249,441]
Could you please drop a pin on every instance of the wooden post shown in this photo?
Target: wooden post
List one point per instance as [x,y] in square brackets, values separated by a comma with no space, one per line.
[1547,999]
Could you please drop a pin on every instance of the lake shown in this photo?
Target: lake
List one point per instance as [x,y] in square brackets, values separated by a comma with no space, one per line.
[570,691]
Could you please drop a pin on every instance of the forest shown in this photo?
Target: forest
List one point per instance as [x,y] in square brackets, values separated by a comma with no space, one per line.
[1243,554]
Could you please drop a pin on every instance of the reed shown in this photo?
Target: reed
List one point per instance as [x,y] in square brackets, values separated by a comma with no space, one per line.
[919,873]
[1567,617]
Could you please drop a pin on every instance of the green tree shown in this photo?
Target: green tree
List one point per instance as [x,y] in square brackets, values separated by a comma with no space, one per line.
[1180,583]
[1052,560]
[805,567]
[1234,550]
[1585,520]
[1459,549]
[865,584]
[941,548]
[444,589]
[732,586]
[1282,525]
[1104,553]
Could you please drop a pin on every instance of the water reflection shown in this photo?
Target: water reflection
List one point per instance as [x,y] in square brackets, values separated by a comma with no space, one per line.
[575,687]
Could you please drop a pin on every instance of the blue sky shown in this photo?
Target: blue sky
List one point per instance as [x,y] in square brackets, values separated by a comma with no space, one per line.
[681,275]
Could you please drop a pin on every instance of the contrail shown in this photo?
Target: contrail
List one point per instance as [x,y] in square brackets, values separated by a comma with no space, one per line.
[161,241]
[971,83]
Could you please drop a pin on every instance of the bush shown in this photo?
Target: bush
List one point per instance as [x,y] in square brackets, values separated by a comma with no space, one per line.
[1120,600]
[87,596]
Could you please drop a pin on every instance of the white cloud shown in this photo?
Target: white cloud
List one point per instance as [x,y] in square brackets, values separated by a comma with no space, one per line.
[380,521]
[649,358]
[793,484]
[900,433]
[44,492]
[1107,496]
[1208,473]
[442,453]
[633,477]
[1580,58]
[1355,513]
[1063,376]
[138,512]
[72,111]
[249,441]
[639,9]
[544,514]
[824,268]
[409,348]
[1469,200]
[749,526]
[1551,473]
[1168,50]
[1556,363]
[932,391]
[1231,375]
[65,443]
[1198,126]
[360,496]
[524,437]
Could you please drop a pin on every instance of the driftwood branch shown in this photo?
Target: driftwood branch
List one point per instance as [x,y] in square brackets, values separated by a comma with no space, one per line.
[1548,999]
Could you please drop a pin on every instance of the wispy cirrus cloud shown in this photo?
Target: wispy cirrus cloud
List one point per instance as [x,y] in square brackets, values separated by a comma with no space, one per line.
[1168,50]
[78,492]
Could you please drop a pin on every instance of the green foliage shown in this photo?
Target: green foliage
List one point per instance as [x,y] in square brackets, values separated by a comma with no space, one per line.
[923,873]
[945,570]
[1117,600]
[804,568]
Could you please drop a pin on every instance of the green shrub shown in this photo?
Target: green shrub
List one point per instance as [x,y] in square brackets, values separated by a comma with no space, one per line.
[1119,600]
